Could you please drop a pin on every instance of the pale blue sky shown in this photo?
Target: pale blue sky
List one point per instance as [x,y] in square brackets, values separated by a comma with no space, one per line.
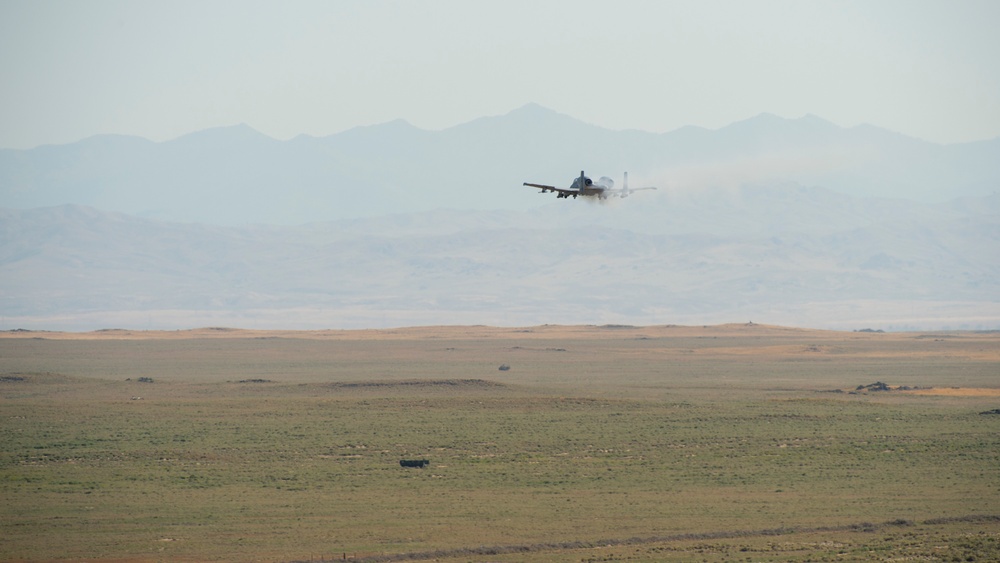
[160,69]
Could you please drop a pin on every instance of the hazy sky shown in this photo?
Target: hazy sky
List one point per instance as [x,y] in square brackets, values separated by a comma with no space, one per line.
[160,69]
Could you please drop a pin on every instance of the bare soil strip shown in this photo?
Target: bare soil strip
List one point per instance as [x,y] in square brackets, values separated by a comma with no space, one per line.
[571,545]
[956,392]
[430,332]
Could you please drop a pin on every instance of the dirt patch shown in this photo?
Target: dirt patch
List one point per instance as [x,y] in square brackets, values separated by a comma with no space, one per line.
[520,551]
[419,383]
[957,392]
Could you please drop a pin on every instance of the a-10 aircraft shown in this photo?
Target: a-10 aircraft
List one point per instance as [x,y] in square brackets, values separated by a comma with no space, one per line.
[584,186]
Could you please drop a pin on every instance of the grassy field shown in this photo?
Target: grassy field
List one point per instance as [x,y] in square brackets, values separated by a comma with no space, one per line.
[737,442]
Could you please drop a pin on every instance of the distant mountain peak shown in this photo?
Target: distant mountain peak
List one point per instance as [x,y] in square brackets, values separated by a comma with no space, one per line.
[394,125]
[400,123]
[767,118]
[394,133]
[813,119]
[769,123]
[241,131]
[528,116]
[532,108]
[535,112]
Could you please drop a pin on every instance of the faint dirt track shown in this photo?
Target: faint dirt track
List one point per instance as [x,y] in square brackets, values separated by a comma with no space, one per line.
[957,392]
[574,545]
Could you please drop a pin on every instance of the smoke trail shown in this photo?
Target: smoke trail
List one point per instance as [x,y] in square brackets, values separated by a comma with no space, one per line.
[804,166]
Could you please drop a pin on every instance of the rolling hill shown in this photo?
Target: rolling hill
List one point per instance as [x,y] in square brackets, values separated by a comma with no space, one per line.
[782,255]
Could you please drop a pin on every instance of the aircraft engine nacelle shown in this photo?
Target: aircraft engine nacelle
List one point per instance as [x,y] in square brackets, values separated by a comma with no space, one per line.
[582,182]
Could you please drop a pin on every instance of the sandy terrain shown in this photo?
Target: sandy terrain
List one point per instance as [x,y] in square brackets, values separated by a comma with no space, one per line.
[957,392]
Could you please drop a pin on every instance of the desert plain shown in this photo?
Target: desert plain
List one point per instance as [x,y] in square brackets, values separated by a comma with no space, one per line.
[740,442]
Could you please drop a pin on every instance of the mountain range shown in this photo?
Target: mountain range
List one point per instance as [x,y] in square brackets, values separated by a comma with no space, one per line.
[795,222]
[237,176]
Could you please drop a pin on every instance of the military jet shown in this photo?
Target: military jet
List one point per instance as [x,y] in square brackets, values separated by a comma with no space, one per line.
[602,188]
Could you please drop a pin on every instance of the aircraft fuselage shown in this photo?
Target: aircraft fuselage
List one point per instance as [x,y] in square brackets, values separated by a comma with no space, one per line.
[584,186]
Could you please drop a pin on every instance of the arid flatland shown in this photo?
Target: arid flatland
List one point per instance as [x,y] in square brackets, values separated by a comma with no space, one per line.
[593,443]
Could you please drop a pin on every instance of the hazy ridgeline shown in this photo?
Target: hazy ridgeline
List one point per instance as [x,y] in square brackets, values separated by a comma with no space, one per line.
[796,222]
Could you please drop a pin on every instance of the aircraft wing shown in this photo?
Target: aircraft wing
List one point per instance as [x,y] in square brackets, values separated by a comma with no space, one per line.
[545,189]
